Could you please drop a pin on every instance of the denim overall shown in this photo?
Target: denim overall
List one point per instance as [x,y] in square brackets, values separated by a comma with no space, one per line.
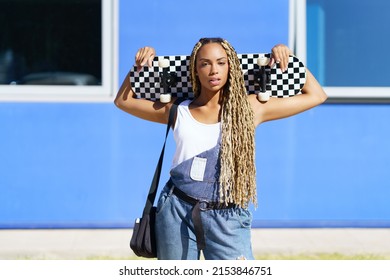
[224,232]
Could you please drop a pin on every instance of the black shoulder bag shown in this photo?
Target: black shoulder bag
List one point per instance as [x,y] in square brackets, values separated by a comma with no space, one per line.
[143,240]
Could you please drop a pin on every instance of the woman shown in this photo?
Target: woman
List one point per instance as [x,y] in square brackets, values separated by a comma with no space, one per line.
[204,206]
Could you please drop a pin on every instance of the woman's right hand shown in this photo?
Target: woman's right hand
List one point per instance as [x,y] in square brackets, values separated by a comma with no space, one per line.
[144,57]
[127,100]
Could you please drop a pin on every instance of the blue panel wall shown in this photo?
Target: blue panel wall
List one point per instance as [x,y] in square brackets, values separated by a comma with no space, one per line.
[328,166]
[89,165]
[173,27]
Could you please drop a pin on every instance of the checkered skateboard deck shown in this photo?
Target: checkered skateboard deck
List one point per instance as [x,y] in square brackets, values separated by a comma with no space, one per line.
[148,84]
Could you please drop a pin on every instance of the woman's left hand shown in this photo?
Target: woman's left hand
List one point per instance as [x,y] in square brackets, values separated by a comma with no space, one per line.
[280,54]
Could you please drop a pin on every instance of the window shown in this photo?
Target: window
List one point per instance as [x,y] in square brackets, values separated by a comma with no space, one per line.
[52,47]
[346,44]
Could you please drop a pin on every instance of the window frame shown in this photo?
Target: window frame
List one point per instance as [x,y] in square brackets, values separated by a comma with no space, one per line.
[102,92]
[298,45]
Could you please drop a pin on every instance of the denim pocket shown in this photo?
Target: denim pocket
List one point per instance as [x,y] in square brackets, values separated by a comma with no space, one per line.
[198,168]
[162,200]
[244,216]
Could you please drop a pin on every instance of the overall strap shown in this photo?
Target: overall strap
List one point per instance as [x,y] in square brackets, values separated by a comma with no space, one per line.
[156,178]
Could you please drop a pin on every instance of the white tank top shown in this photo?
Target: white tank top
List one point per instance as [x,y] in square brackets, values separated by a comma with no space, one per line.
[191,136]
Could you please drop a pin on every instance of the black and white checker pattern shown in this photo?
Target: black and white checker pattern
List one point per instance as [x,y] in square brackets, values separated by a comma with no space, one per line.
[283,84]
[146,83]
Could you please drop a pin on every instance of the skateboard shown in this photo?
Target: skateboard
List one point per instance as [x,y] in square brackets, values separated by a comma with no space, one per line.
[169,76]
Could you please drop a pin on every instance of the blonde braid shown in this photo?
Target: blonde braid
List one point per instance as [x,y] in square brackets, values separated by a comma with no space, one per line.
[193,78]
[237,156]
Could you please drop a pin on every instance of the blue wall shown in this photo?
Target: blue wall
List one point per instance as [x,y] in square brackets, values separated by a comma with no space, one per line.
[84,165]
[90,165]
[173,27]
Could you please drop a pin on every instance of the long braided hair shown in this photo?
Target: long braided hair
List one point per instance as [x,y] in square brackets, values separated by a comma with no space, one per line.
[237,155]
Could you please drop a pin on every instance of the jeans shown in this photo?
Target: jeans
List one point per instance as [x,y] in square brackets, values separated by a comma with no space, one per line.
[227,231]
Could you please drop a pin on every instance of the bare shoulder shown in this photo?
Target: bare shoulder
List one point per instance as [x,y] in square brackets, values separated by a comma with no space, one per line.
[275,108]
[259,108]
[255,104]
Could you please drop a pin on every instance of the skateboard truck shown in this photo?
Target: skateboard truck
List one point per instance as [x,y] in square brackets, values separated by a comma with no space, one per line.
[168,79]
[263,77]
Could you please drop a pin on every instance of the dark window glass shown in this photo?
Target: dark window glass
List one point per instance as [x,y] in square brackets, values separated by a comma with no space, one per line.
[51,42]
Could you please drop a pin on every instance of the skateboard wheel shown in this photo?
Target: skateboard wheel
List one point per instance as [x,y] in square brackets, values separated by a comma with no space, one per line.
[165,98]
[262,60]
[263,96]
[163,63]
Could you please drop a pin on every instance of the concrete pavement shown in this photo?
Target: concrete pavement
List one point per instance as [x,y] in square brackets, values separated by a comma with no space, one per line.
[114,243]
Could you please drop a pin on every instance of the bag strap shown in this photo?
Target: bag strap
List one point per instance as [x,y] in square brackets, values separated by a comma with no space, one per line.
[156,178]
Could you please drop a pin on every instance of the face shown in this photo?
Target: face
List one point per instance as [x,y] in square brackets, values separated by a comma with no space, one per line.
[212,67]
